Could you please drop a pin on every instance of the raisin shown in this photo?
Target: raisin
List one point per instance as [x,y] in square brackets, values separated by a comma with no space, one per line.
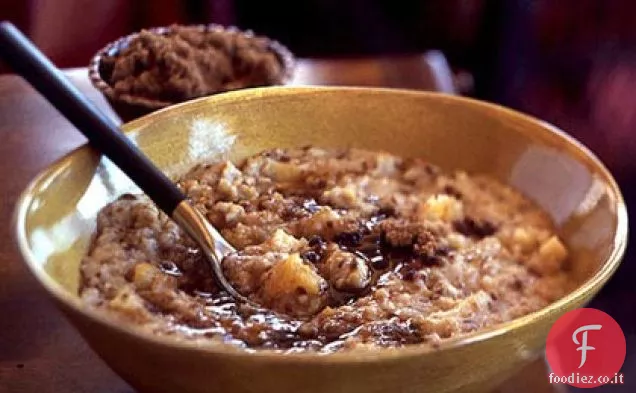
[430,260]
[348,239]
[517,285]
[386,211]
[316,242]
[311,256]
[452,191]
[409,274]
[474,228]
[442,251]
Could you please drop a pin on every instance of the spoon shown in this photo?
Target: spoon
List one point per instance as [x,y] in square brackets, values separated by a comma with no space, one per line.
[103,134]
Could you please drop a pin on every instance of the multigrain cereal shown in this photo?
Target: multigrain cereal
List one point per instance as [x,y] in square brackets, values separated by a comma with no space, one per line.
[350,248]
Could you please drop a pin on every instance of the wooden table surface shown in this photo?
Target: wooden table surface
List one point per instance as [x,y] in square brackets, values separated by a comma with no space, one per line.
[39,351]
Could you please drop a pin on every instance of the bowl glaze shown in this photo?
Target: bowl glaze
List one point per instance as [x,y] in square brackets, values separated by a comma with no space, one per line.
[55,217]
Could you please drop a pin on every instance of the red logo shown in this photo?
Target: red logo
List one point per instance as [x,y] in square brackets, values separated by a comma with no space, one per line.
[586,348]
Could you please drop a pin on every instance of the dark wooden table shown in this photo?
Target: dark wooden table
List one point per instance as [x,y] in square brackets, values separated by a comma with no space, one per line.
[39,351]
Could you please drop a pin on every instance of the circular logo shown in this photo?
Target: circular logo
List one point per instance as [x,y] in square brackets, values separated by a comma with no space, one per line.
[585,348]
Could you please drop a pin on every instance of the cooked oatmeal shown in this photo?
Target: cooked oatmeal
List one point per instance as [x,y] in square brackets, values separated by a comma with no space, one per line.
[349,248]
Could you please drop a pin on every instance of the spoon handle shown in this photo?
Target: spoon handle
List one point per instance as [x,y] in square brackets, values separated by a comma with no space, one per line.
[27,60]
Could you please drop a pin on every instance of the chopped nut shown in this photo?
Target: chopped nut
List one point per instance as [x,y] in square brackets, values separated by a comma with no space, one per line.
[129,304]
[342,196]
[456,240]
[144,274]
[231,173]
[346,271]
[441,207]
[231,211]
[553,249]
[281,241]
[227,189]
[550,257]
[283,172]
[385,164]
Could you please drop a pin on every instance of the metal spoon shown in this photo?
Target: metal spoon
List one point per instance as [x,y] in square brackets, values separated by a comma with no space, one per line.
[103,134]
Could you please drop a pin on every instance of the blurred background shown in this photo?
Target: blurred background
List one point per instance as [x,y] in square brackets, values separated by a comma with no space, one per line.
[570,62]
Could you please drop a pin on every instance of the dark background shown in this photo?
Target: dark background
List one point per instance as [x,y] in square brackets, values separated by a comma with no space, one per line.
[570,62]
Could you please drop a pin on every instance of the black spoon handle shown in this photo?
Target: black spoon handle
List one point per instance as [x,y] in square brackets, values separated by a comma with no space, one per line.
[104,135]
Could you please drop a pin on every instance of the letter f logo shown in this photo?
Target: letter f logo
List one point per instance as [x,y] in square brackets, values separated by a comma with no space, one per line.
[583,344]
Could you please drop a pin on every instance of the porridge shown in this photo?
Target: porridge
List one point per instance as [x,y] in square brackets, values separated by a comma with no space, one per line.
[349,248]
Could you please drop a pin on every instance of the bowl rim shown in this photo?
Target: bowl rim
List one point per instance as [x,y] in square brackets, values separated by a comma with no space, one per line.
[547,132]
[285,56]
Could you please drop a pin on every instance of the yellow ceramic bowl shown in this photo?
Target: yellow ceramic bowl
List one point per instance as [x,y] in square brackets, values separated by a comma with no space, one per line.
[55,218]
